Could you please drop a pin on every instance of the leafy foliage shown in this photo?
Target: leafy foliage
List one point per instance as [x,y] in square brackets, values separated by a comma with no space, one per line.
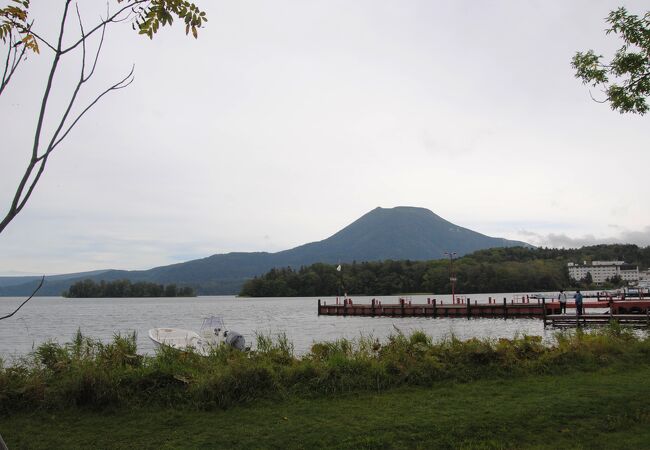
[626,78]
[124,288]
[159,13]
[14,18]
[509,269]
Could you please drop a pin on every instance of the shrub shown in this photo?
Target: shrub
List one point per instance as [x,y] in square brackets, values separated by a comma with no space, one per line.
[89,373]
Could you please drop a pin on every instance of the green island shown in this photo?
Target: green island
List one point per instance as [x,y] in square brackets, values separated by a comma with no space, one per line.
[510,269]
[125,288]
[580,390]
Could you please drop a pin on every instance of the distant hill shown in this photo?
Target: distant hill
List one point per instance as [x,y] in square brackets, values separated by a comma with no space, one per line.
[18,280]
[383,233]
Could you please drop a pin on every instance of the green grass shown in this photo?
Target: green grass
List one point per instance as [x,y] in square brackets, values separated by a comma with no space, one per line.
[605,409]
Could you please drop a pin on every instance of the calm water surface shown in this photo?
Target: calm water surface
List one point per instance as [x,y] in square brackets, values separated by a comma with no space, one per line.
[54,318]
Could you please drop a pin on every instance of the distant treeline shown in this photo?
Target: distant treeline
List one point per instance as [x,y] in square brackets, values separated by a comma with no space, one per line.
[512,269]
[125,288]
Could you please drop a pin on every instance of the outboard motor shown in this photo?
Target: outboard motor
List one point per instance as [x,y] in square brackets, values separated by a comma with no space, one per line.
[235,340]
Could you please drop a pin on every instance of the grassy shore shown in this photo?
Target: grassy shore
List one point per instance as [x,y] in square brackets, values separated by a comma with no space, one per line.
[587,390]
[603,409]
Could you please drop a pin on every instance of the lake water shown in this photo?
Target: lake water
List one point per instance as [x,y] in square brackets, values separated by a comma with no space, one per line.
[55,318]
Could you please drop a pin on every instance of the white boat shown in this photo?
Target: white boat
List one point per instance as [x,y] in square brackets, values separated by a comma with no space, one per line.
[212,334]
[175,338]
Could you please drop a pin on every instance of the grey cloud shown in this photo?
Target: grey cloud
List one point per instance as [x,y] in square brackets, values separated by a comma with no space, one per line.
[561,240]
[297,128]
[527,233]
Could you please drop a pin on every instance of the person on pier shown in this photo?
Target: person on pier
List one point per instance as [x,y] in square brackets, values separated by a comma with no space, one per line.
[562,299]
[578,298]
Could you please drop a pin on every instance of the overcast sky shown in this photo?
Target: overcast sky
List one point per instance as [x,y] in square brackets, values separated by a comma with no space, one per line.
[287,120]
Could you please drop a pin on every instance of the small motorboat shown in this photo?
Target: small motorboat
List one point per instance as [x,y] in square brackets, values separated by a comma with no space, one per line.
[212,334]
[176,338]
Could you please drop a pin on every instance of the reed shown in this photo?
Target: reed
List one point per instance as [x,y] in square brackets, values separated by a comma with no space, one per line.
[87,373]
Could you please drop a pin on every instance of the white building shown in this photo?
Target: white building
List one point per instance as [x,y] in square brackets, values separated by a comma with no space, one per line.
[602,271]
[644,275]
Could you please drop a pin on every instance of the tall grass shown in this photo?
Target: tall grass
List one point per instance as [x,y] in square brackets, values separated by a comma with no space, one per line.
[87,373]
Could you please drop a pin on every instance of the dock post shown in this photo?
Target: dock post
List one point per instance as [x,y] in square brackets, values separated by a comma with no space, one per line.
[505,308]
[345,307]
[435,308]
[373,307]
[469,306]
[401,300]
[319,306]
[611,310]
[544,310]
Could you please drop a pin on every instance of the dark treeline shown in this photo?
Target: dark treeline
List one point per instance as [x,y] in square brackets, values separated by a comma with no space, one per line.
[125,288]
[512,269]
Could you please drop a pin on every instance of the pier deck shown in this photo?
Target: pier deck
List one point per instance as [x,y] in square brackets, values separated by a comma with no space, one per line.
[632,312]
[571,320]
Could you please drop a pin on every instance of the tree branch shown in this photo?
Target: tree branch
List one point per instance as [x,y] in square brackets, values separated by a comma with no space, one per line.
[124,82]
[10,50]
[42,160]
[30,297]
[99,49]
[77,88]
[16,204]
[595,99]
[40,152]
[15,61]
[103,23]
[43,40]
[634,82]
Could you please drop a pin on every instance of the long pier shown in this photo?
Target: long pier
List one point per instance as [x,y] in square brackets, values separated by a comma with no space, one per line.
[627,311]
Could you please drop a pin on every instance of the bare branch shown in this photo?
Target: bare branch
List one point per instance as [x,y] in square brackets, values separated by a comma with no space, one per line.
[28,30]
[109,19]
[10,51]
[43,40]
[42,160]
[15,62]
[99,49]
[38,163]
[124,82]
[30,297]
[595,99]
[18,202]
[82,80]
[64,118]
[41,168]
[83,43]
[40,152]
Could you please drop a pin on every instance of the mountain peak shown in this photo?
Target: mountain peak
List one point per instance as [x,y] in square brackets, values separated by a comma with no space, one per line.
[401,232]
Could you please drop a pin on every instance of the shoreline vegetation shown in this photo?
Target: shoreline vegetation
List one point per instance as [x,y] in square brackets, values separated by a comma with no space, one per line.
[125,288]
[89,373]
[509,269]
[87,383]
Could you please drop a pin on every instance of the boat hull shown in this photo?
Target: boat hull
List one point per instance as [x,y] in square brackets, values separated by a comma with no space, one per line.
[176,338]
